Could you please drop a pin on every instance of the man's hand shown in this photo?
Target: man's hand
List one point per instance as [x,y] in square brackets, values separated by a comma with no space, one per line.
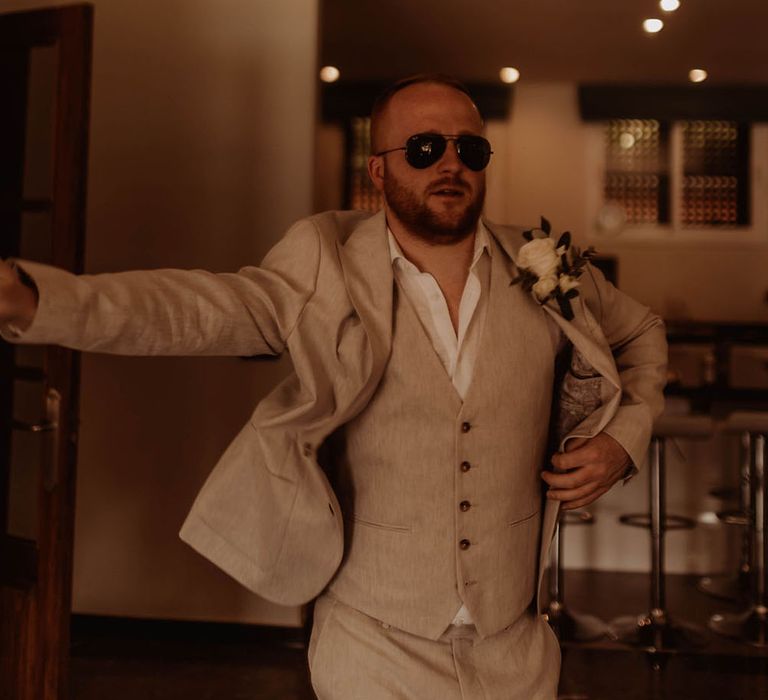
[586,470]
[18,302]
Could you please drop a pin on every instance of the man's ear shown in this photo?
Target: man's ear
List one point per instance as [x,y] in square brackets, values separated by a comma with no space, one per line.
[376,171]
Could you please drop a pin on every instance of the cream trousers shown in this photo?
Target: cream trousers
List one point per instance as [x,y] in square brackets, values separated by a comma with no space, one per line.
[355,657]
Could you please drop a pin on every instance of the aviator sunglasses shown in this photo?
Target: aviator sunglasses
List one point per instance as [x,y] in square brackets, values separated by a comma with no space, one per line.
[423,150]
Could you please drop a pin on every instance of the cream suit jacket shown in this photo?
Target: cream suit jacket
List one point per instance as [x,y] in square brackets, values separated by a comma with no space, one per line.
[267,514]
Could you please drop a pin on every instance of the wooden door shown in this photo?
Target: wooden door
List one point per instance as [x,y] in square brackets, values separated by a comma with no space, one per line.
[45,58]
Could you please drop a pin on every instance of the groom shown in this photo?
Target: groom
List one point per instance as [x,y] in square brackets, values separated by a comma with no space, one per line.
[398,472]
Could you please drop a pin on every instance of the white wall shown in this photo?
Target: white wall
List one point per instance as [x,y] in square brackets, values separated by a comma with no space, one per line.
[201,155]
[539,159]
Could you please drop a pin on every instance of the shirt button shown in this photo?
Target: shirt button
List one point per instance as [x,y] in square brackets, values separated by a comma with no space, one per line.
[464,544]
[466,427]
[464,506]
[465,466]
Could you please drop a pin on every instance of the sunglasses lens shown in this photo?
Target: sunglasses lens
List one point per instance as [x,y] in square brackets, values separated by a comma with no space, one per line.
[474,151]
[423,150]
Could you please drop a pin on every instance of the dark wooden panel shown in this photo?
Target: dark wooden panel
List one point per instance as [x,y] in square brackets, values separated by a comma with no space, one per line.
[56,541]
[30,28]
[19,557]
[28,374]
[12,206]
[34,625]
[16,644]
[14,69]
[669,102]
[14,66]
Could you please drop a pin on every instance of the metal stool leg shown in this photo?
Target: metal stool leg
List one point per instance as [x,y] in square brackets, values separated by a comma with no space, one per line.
[568,626]
[736,588]
[752,625]
[655,630]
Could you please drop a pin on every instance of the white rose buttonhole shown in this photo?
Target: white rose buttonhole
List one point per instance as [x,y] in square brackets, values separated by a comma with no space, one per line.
[551,270]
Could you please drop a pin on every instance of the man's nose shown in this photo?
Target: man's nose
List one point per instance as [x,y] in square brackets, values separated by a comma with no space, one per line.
[450,161]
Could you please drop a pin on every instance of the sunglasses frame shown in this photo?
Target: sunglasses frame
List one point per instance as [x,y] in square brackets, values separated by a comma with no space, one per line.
[437,138]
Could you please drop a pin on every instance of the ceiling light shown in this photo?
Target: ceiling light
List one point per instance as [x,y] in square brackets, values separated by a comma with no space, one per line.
[697,75]
[509,75]
[669,5]
[329,74]
[652,26]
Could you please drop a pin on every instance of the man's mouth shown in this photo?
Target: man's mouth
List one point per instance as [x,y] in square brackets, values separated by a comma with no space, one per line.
[448,192]
[449,188]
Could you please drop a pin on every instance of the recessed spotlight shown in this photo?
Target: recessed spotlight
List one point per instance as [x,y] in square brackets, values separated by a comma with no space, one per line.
[509,75]
[669,5]
[329,74]
[697,75]
[653,26]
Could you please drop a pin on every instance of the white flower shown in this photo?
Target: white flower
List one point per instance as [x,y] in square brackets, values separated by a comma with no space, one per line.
[540,257]
[545,286]
[566,283]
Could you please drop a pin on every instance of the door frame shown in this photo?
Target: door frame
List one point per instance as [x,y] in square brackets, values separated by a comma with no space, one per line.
[36,589]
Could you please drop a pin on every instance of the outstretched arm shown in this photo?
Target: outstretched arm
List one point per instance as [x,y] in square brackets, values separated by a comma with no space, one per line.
[167,312]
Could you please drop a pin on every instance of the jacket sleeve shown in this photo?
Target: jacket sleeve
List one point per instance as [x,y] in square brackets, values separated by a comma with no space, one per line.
[178,312]
[638,342]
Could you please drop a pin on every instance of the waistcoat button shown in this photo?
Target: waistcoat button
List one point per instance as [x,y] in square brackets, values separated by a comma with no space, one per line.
[464,506]
[466,427]
[464,544]
[465,466]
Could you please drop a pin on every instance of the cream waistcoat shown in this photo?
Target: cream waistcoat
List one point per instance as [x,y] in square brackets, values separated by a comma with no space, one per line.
[457,349]
[424,531]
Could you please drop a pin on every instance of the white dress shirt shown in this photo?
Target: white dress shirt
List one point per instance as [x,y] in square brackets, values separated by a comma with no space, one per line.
[457,349]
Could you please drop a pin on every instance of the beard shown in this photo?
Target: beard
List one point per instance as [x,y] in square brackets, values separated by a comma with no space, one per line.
[436,227]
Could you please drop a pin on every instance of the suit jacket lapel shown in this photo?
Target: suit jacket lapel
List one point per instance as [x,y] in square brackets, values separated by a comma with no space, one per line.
[369,280]
[583,331]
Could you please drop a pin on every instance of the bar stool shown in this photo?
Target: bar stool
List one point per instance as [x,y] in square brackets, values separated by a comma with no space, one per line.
[735,587]
[751,625]
[655,630]
[569,626]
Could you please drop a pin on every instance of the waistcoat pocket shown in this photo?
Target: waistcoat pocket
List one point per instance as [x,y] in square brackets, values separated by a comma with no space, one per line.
[378,525]
[518,521]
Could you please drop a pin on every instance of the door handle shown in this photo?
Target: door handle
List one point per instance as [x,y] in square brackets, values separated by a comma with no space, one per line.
[52,452]
[50,426]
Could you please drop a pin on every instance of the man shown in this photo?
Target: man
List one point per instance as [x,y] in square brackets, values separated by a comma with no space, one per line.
[423,385]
